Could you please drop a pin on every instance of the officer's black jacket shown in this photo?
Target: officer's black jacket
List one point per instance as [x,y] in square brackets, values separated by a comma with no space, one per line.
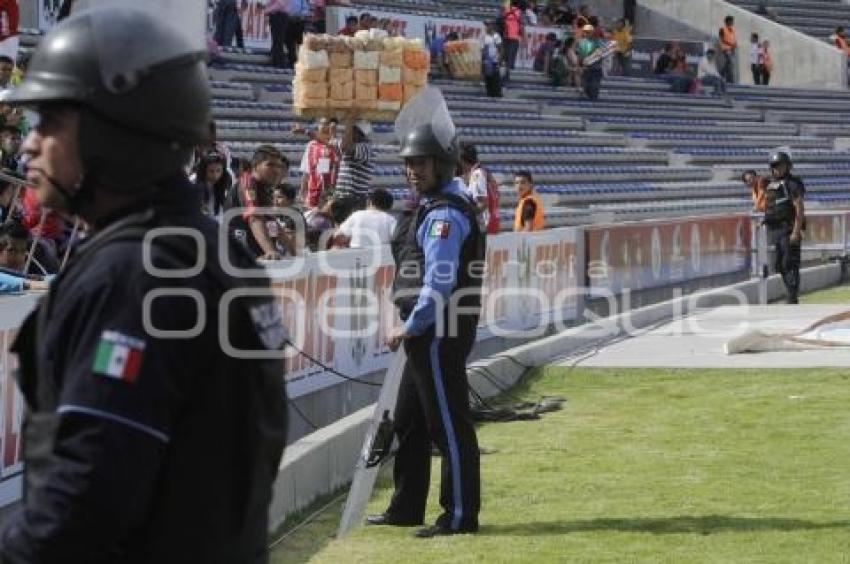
[168,460]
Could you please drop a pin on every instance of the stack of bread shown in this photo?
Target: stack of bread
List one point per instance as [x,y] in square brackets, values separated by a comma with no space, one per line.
[371,74]
[464,58]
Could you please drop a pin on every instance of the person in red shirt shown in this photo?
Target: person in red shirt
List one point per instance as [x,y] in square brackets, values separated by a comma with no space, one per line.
[512,18]
[47,226]
[9,18]
[352,25]
[319,165]
[256,191]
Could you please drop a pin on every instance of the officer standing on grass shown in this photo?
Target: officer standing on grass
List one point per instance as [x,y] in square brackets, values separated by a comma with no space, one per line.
[145,442]
[784,216]
[438,250]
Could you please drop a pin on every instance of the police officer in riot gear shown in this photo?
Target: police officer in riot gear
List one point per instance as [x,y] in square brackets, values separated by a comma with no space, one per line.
[145,442]
[438,251]
[784,217]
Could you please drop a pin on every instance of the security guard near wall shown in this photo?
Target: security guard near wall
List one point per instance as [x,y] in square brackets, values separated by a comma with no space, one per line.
[438,251]
[140,447]
[784,216]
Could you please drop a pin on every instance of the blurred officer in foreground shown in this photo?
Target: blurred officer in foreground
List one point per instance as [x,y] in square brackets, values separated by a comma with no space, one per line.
[784,216]
[439,251]
[140,445]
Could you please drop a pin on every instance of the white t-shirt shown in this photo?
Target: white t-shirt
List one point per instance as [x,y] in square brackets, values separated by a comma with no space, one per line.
[707,68]
[756,57]
[478,189]
[491,46]
[367,228]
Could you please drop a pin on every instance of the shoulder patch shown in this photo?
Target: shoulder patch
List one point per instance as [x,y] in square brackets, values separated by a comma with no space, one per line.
[118,356]
[440,229]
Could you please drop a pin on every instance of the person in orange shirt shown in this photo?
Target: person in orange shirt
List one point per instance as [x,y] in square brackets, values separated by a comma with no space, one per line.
[758,189]
[768,63]
[529,210]
[729,47]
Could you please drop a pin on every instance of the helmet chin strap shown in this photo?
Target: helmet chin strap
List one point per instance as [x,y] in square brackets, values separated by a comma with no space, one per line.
[73,196]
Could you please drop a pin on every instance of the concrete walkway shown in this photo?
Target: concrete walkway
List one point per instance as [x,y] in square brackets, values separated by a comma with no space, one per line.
[696,341]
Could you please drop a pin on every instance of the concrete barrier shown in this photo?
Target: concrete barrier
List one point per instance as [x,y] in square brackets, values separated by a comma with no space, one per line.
[323,461]
[799,60]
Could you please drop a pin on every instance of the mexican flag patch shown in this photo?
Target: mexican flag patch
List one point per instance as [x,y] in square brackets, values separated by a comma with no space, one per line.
[439,230]
[118,356]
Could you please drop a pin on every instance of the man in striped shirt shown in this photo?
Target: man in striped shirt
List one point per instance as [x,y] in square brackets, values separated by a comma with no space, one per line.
[355,166]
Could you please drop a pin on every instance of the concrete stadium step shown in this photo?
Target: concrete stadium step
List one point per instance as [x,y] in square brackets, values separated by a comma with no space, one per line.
[805,170]
[589,110]
[811,117]
[744,155]
[691,126]
[686,140]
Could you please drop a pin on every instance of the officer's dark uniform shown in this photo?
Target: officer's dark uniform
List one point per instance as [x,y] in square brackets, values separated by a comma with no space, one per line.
[141,447]
[438,251]
[779,217]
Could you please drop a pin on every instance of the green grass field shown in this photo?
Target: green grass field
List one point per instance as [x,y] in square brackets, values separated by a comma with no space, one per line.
[836,295]
[644,466]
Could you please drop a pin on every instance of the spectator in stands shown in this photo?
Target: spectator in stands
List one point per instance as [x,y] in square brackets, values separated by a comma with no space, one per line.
[226,18]
[592,73]
[840,41]
[558,71]
[756,59]
[14,246]
[563,13]
[768,63]
[763,10]
[758,187]
[319,165]
[47,226]
[7,67]
[598,31]
[728,48]
[574,70]
[10,146]
[373,226]
[512,18]
[213,183]
[287,229]
[664,63]
[544,53]
[580,22]
[530,13]
[622,34]
[8,204]
[351,26]
[708,74]
[255,191]
[355,165]
[365,21]
[529,214]
[9,19]
[276,12]
[213,145]
[491,60]
[482,188]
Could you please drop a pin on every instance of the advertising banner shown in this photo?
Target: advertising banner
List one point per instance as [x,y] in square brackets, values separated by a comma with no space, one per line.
[427,28]
[645,255]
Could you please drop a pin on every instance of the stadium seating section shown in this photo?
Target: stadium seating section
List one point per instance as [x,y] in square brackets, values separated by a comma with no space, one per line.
[638,152]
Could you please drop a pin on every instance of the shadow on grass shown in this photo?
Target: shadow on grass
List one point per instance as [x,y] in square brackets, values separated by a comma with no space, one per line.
[704,525]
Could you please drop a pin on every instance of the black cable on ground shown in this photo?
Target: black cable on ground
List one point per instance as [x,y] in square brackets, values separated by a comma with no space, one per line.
[301,414]
[331,370]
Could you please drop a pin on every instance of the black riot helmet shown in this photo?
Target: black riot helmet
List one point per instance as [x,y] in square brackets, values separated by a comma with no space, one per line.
[421,141]
[141,89]
[781,157]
